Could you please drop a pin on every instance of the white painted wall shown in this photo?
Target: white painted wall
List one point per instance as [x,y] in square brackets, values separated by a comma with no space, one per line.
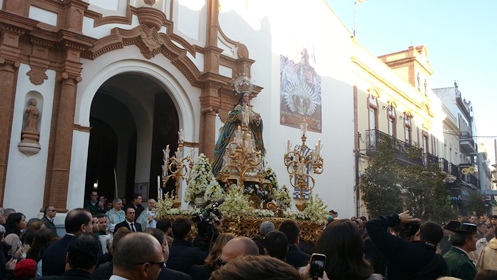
[267,30]
[26,175]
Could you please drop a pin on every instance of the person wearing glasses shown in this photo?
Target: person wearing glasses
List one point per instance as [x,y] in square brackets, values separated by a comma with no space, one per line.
[48,219]
[138,257]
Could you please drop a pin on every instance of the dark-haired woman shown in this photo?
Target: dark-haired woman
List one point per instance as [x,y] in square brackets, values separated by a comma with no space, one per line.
[341,242]
[16,222]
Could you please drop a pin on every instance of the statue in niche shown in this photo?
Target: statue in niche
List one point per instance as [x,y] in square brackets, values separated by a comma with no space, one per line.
[242,112]
[32,115]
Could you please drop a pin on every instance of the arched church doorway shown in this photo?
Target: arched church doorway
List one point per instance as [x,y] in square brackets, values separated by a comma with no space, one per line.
[132,118]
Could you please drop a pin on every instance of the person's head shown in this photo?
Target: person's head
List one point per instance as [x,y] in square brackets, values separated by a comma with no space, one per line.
[120,233]
[138,256]
[35,224]
[94,196]
[341,242]
[431,232]
[2,233]
[82,253]
[102,221]
[130,214]
[25,269]
[256,267]
[164,225]
[483,219]
[334,214]
[266,227]
[15,223]
[78,220]
[8,211]
[465,241]
[94,225]
[137,199]
[182,229]
[151,204]
[482,228]
[109,205]
[291,229]
[50,212]
[493,220]
[41,240]
[159,235]
[276,245]
[215,252]
[473,219]
[236,247]
[117,204]
[486,274]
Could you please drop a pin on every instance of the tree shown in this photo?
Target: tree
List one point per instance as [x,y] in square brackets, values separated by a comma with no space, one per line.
[389,187]
[424,192]
[476,204]
[379,184]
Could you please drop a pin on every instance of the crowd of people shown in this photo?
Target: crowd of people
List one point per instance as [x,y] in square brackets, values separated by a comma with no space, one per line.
[129,242]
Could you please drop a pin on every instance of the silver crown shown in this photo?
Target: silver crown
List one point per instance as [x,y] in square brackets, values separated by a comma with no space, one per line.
[243,85]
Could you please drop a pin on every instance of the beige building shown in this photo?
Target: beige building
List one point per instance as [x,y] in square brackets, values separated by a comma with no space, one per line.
[394,100]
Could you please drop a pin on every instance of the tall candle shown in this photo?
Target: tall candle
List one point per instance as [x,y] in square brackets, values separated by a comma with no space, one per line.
[158,187]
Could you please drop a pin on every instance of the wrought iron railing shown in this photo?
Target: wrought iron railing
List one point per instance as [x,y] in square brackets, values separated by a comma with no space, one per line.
[444,165]
[454,170]
[403,151]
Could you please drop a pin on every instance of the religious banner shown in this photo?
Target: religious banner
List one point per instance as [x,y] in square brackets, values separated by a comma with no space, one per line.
[300,90]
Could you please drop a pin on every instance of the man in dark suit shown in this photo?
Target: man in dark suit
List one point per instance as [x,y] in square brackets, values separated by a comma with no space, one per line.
[166,273]
[104,271]
[54,258]
[294,257]
[416,259]
[136,204]
[182,254]
[82,255]
[129,222]
[48,219]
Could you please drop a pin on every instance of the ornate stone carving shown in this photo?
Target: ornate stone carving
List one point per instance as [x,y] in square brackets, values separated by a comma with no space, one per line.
[37,76]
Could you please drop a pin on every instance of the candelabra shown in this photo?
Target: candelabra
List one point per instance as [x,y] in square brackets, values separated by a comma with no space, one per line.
[178,167]
[241,161]
[300,162]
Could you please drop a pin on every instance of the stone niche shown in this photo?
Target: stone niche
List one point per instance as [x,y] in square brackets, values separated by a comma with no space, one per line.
[30,132]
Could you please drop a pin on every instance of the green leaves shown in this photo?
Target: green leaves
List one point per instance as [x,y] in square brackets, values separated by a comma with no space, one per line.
[389,186]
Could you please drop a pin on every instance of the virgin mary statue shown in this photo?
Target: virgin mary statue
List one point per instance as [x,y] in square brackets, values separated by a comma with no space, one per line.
[235,119]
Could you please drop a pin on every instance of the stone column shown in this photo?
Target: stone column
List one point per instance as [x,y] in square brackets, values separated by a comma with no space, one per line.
[8,72]
[63,141]
[208,132]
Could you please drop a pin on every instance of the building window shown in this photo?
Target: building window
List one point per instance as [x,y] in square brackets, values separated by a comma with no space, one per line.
[373,109]
[407,127]
[391,119]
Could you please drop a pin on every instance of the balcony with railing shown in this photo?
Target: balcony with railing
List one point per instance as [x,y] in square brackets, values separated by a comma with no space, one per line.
[404,152]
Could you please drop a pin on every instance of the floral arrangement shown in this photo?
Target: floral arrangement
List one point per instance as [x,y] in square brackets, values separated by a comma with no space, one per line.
[316,210]
[271,177]
[282,198]
[236,204]
[165,207]
[265,192]
[263,213]
[202,182]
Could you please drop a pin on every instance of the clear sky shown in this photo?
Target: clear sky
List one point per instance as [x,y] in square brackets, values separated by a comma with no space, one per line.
[461,37]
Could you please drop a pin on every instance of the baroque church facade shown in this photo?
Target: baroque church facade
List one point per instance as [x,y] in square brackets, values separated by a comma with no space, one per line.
[92,91]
